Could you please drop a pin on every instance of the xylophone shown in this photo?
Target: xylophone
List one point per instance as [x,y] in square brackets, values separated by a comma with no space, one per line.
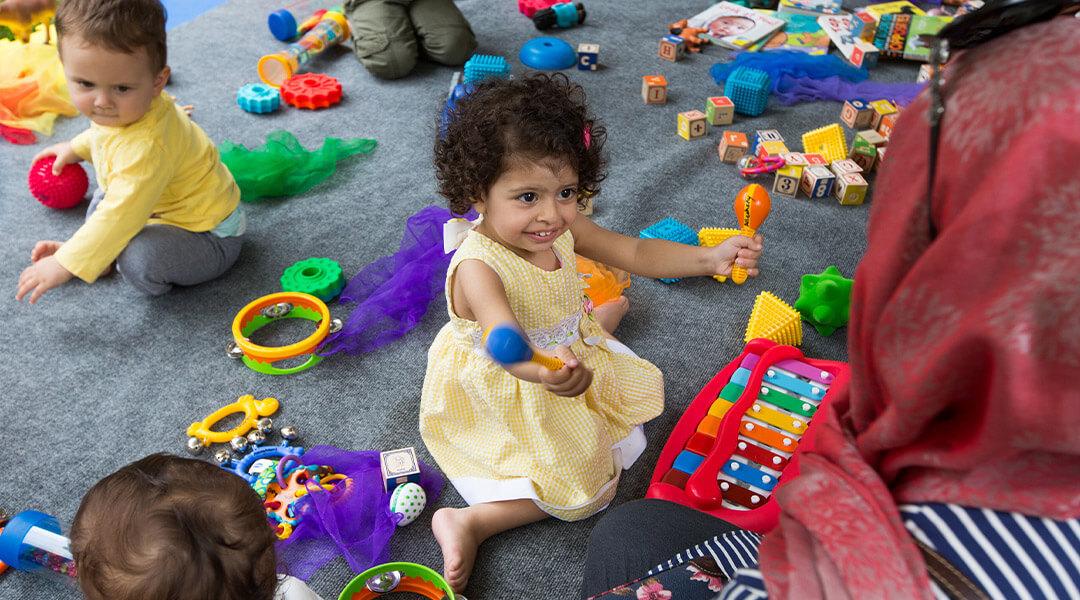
[741,437]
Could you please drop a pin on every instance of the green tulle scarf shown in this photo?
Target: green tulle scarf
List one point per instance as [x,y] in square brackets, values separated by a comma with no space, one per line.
[282,167]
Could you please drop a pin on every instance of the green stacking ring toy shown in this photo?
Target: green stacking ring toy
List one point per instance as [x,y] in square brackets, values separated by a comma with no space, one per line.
[398,577]
[320,277]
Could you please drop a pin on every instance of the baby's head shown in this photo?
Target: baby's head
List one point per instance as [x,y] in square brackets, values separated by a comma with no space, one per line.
[171,527]
[113,53]
[730,25]
[524,153]
[538,121]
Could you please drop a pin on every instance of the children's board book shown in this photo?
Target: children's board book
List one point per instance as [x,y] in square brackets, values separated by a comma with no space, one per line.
[811,7]
[921,34]
[801,32]
[892,34]
[857,51]
[734,26]
[876,10]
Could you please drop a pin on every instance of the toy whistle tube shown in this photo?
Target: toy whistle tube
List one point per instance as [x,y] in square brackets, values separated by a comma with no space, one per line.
[35,542]
[275,69]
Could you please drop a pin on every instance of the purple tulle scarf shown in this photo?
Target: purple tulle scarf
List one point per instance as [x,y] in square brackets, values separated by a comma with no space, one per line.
[394,292]
[799,77]
[353,520]
[778,63]
[793,90]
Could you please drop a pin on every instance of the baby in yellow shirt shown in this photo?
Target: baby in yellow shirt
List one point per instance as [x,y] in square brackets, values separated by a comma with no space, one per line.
[166,211]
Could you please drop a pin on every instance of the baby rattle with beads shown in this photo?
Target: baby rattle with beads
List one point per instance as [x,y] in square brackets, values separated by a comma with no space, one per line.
[752,205]
[507,345]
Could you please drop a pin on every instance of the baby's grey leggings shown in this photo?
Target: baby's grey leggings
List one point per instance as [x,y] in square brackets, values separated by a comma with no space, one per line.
[161,256]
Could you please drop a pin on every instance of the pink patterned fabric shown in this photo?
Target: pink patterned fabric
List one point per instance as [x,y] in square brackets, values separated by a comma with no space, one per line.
[965,349]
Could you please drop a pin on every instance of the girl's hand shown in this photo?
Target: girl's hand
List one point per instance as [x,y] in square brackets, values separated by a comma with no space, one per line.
[40,277]
[738,250]
[571,380]
[64,154]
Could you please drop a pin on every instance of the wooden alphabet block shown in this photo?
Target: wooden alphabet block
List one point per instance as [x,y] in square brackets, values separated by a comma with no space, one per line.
[588,57]
[881,108]
[672,47]
[692,124]
[719,110]
[851,189]
[733,146]
[871,137]
[865,157]
[795,159]
[857,114]
[839,167]
[772,149]
[654,89]
[398,467]
[817,182]
[787,181]
[764,135]
[885,127]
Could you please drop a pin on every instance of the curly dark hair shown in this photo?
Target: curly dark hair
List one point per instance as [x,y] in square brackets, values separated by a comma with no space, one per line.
[533,117]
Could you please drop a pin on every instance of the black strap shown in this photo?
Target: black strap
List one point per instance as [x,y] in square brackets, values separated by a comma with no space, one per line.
[951,580]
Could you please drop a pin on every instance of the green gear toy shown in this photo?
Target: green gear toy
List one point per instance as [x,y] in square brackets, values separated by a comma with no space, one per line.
[825,299]
[320,277]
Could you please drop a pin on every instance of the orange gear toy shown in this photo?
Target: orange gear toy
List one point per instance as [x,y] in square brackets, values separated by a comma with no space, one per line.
[311,90]
[690,35]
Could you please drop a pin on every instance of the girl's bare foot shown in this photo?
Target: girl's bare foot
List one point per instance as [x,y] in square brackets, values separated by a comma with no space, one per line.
[457,537]
[611,313]
[44,249]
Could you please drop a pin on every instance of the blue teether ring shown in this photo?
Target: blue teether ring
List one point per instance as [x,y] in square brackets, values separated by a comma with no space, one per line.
[548,54]
[258,98]
[243,466]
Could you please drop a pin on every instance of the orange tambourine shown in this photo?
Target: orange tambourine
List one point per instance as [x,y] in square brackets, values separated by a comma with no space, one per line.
[282,305]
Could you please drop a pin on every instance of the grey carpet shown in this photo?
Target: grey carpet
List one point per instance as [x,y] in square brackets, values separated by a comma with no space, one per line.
[95,377]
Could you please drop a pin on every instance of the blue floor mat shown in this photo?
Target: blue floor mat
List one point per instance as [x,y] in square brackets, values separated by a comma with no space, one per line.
[182,11]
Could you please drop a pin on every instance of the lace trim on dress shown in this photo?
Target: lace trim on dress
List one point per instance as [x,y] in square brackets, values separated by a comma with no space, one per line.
[563,333]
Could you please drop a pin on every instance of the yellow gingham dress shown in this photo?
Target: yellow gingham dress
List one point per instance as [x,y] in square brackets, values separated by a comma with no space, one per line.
[500,438]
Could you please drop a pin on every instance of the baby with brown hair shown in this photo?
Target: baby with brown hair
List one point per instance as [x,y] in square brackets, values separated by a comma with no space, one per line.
[166,211]
[177,528]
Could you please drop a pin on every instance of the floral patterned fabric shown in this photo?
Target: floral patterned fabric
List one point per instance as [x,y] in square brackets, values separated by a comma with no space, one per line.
[699,573]
[964,348]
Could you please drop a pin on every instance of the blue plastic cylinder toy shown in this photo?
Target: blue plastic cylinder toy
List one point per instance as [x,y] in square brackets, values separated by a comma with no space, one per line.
[35,542]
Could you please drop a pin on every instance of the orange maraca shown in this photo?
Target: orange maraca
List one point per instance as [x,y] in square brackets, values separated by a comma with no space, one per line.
[752,205]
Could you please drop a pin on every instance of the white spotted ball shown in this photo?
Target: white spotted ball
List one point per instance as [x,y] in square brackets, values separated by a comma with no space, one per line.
[410,500]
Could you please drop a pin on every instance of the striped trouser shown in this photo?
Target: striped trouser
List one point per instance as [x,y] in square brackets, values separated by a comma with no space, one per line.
[1008,555]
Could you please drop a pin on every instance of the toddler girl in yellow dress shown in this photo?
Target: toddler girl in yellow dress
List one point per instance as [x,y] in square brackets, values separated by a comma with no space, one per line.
[521,443]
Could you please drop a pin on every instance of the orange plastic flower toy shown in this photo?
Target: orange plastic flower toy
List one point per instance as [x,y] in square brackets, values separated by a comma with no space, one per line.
[605,283]
[752,205]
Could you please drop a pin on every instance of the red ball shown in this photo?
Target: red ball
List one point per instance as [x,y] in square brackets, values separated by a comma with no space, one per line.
[59,192]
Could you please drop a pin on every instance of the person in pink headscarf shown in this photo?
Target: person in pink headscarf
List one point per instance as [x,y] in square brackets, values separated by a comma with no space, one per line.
[955,451]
